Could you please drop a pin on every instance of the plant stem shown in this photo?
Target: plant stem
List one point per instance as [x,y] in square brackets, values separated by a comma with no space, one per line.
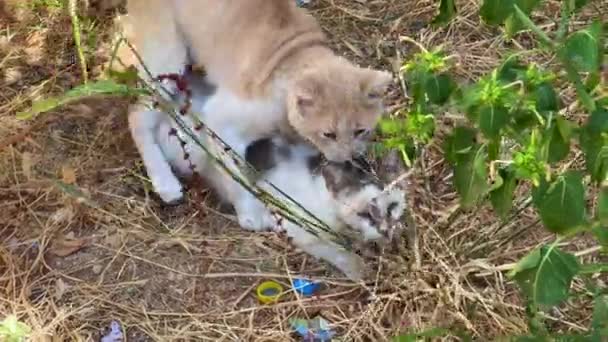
[593,268]
[575,78]
[532,27]
[562,29]
[76,34]
[410,40]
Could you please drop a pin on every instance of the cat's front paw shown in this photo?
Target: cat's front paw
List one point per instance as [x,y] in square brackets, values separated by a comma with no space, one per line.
[169,190]
[253,215]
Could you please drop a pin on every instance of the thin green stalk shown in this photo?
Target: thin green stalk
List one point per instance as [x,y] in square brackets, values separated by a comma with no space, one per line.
[575,78]
[76,33]
[529,24]
[562,29]
[594,268]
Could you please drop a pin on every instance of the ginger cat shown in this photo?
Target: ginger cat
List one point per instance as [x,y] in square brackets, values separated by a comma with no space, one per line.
[273,74]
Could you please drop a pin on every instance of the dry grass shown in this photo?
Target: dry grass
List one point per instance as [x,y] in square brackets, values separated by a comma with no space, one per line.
[187,272]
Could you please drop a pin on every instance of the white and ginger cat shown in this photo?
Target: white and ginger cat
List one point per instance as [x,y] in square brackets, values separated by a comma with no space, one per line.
[274,76]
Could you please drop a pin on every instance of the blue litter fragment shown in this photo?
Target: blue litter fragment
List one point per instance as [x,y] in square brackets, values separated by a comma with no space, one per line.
[302,2]
[115,333]
[314,330]
[305,287]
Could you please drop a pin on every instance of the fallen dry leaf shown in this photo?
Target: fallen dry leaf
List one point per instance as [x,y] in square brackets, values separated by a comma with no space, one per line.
[68,174]
[63,247]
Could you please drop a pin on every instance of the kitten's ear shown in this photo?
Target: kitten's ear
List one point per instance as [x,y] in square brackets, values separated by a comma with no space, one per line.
[374,210]
[374,84]
[305,92]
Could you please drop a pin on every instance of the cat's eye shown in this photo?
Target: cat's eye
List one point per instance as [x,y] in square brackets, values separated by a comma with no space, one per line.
[374,95]
[330,135]
[391,207]
[360,132]
[366,216]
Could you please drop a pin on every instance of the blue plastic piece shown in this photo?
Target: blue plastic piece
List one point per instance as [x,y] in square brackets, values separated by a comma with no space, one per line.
[302,3]
[316,330]
[305,287]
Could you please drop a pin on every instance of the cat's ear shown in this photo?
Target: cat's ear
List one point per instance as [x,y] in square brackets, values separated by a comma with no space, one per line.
[375,211]
[374,83]
[305,92]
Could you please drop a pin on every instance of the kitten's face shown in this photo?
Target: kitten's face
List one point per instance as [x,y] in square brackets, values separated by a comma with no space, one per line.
[336,108]
[385,213]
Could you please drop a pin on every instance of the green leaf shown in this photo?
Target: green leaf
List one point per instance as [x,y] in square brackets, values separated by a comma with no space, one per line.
[101,87]
[513,24]
[600,315]
[458,144]
[546,98]
[511,69]
[14,330]
[502,196]
[576,4]
[545,275]
[523,119]
[495,12]
[601,235]
[447,11]
[583,48]
[420,126]
[494,149]
[594,143]
[602,206]
[391,126]
[470,174]
[128,76]
[561,204]
[559,145]
[439,88]
[492,118]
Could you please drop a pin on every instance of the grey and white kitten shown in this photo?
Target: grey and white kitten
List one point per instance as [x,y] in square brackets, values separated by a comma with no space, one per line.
[347,199]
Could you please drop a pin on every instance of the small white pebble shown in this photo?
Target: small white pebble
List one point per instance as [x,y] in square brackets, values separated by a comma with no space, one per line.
[12,76]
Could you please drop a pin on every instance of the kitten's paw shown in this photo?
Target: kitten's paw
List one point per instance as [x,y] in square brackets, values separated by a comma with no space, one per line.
[352,266]
[254,216]
[170,190]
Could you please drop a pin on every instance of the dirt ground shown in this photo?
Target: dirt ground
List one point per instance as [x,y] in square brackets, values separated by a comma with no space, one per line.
[73,258]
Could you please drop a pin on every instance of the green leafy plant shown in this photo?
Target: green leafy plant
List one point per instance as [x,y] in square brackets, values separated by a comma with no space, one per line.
[12,330]
[513,132]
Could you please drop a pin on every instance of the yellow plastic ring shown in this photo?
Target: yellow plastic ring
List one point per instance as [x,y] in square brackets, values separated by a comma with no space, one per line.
[269,292]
